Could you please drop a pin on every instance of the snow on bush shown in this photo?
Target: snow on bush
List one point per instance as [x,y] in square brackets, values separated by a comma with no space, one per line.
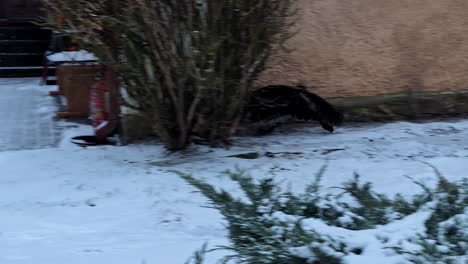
[446,237]
[275,226]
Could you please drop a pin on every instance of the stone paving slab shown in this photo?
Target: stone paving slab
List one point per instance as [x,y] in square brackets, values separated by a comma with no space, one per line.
[27,115]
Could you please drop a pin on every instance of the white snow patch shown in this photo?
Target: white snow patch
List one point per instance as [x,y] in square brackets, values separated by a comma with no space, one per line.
[72,56]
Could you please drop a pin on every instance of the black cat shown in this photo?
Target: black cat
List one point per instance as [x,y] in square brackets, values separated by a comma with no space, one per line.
[272,105]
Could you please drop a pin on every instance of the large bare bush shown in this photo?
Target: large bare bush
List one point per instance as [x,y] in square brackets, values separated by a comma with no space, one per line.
[188,65]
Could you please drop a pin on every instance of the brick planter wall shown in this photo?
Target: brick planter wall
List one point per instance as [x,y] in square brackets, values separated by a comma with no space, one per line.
[403,106]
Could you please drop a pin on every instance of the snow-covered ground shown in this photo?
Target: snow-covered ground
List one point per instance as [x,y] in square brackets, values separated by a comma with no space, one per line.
[123,204]
[26,115]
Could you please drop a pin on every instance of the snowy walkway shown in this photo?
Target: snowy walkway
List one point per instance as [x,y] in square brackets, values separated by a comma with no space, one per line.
[26,115]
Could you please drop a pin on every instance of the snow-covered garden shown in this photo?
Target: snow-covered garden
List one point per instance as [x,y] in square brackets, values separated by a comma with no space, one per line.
[125,204]
[391,193]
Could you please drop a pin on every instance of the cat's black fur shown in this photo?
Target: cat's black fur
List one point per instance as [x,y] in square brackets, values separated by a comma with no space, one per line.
[272,105]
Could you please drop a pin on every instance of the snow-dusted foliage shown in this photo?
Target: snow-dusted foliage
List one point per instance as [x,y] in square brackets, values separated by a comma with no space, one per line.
[270,225]
[446,238]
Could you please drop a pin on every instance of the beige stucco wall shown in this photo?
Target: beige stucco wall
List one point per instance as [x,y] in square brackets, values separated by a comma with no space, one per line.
[371,47]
